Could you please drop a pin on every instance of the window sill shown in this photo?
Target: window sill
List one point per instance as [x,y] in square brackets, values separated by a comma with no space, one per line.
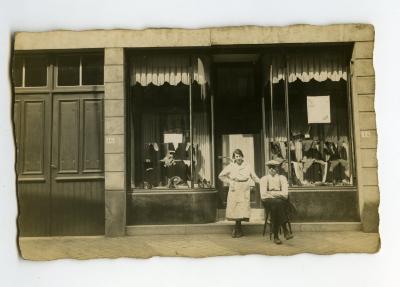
[82,88]
[323,189]
[173,191]
[31,90]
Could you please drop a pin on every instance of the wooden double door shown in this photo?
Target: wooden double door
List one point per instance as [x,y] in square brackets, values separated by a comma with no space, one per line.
[60,160]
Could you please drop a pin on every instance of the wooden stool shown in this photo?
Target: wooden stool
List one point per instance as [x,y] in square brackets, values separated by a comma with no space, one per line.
[289,225]
[266,222]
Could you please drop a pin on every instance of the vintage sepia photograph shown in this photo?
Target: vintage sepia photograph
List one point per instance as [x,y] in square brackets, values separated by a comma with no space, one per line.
[199,143]
[196,142]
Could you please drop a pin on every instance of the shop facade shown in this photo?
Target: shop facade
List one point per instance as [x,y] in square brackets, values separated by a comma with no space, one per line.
[126,128]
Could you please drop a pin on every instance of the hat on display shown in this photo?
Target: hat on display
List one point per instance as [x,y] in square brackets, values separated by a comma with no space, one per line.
[297,135]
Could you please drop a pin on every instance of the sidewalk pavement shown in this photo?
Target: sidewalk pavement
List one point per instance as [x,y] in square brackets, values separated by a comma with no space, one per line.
[204,245]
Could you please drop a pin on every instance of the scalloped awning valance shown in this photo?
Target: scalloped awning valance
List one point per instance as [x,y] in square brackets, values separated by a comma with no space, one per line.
[174,69]
[308,66]
[171,69]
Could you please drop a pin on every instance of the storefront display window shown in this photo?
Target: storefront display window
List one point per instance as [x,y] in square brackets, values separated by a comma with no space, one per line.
[171,123]
[308,94]
[306,117]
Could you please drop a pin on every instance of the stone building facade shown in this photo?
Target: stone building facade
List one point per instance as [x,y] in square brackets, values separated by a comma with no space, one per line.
[117,195]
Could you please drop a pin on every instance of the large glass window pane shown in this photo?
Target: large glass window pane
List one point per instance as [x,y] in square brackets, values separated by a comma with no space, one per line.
[68,71]
[319,124]
[162,136]
[92,70]
[35,71]
[17,71]
[316,138]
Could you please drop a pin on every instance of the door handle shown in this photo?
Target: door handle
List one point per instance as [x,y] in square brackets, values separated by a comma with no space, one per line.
[53,166]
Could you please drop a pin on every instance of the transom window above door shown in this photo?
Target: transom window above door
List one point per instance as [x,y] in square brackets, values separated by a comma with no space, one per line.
[30,71]
[48,71]
[77,70]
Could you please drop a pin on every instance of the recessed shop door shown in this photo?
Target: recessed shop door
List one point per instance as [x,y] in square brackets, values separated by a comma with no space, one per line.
[77,195]
[238,121]
[250,145]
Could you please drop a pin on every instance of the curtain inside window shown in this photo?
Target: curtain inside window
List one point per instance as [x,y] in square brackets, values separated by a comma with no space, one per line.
[320,153]
[161,93]
[298,91]
[171,69]
[202,140]
[308,66]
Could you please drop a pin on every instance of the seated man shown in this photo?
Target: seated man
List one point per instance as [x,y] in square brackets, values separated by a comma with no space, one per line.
[274,194]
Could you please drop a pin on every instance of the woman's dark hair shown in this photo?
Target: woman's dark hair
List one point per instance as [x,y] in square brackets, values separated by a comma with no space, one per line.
[238,152]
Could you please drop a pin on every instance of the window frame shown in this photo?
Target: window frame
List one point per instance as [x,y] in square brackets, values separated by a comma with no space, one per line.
[261,50]
[131,134]
[32,89]
[80,87]
[352,161]
[52,69]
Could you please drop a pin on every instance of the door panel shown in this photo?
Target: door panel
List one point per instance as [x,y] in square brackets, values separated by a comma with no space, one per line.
[32,131]
[17,128]
[33,137]
[67,113]
[92,136]
[77,177]
[78,207]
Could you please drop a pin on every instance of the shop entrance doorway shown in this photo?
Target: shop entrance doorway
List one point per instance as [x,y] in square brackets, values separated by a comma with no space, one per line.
[238,120]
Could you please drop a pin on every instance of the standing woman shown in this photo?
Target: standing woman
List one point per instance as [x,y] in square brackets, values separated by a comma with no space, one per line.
[238,174]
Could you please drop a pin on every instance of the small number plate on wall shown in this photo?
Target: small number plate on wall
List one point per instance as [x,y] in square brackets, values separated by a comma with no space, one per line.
[365,134]
[110,140]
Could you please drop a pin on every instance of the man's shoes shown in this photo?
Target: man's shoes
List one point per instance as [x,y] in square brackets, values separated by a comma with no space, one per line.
[289,236]
[277,241]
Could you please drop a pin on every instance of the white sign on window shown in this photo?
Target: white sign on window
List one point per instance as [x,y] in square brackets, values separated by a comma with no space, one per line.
[319,110]
[175,139]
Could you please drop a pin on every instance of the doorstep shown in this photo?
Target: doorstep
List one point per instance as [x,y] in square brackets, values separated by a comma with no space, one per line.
[221,227]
